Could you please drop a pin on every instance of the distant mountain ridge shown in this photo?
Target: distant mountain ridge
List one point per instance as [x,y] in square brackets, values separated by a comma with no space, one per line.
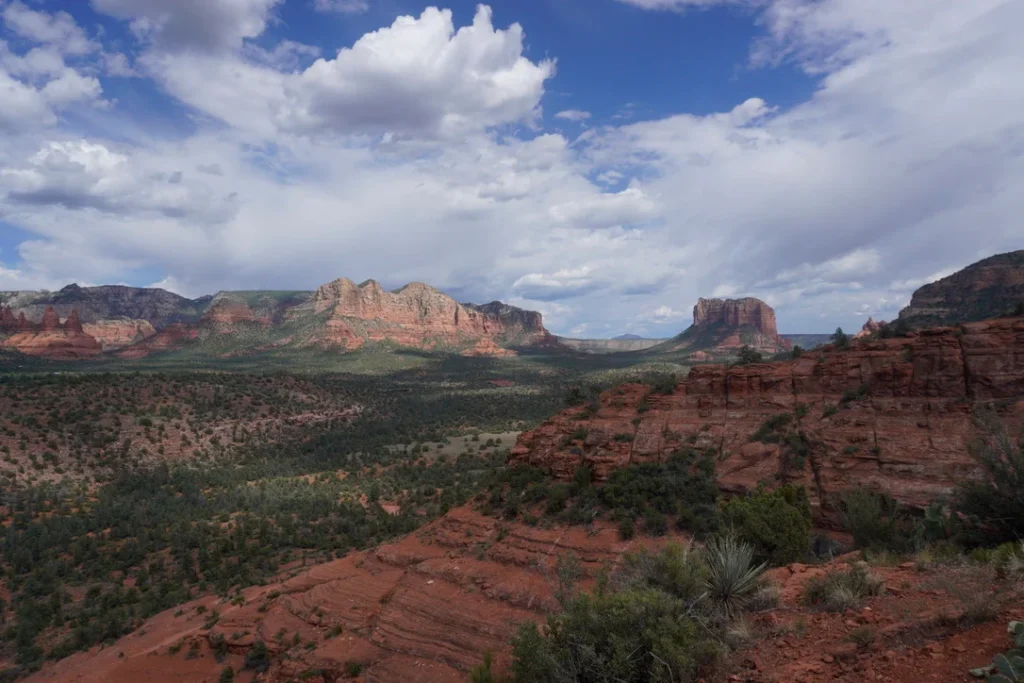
[338,315]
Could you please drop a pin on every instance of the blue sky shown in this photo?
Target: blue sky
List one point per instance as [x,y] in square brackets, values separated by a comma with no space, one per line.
[603,161]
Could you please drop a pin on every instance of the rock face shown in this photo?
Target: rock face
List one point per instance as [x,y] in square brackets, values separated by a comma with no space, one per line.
[50,338]
[889,414]
[416,315]
[988,288]
[723,326]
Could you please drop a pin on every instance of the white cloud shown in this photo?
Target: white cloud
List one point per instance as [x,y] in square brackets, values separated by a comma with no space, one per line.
[83,175]
[903,163]
[662,315]
[420,77]
[185,24]
[58,29]
[341,6]
[573,115]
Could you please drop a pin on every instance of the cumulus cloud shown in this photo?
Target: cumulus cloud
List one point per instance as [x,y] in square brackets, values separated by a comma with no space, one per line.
[902,164]
[192,24]
[83,175]
[420,76]
[36,83]
[58,29]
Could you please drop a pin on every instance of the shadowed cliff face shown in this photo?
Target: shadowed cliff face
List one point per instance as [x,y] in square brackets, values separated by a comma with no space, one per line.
[988,288]
[889,414]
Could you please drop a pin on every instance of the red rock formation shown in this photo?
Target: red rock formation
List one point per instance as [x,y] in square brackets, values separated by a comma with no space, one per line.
[905,436]
[119,333]
[8,323]
[736,313]
[170,338]
[869,328]
[726,325]
[416,315]
[51,321]
[52,339]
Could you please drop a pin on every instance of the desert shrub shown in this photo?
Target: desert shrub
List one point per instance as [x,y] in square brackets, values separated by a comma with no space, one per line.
[257,658]
[839,590]
[776,523]
[634,635]
[676,570]
[876,521]
[733,578]
[482,673]
[748,356]
[227,675]
[685,478]
[993,506]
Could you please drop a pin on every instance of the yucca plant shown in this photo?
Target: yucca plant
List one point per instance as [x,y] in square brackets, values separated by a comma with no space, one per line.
[1007,667]
[733,578]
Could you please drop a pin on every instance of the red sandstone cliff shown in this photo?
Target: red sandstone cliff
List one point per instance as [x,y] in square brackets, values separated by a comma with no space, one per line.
[726,325]
[416,315]
[50,338]
[888,414]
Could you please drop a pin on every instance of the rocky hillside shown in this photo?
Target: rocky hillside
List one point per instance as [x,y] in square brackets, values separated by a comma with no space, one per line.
[988,288]
[888,414]
[722,326]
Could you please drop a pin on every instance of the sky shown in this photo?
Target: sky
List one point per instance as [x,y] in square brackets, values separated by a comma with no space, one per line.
[604,162]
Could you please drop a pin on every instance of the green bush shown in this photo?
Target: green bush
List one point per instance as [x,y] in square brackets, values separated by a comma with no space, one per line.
[776,523]
[633,636]
[876,521]
[993,506]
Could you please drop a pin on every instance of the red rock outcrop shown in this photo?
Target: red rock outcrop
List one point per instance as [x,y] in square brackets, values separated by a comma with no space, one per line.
[52,339]
[170,338]
[723,326]
[869,328]
[416,315]
[887,414]
[119,333]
